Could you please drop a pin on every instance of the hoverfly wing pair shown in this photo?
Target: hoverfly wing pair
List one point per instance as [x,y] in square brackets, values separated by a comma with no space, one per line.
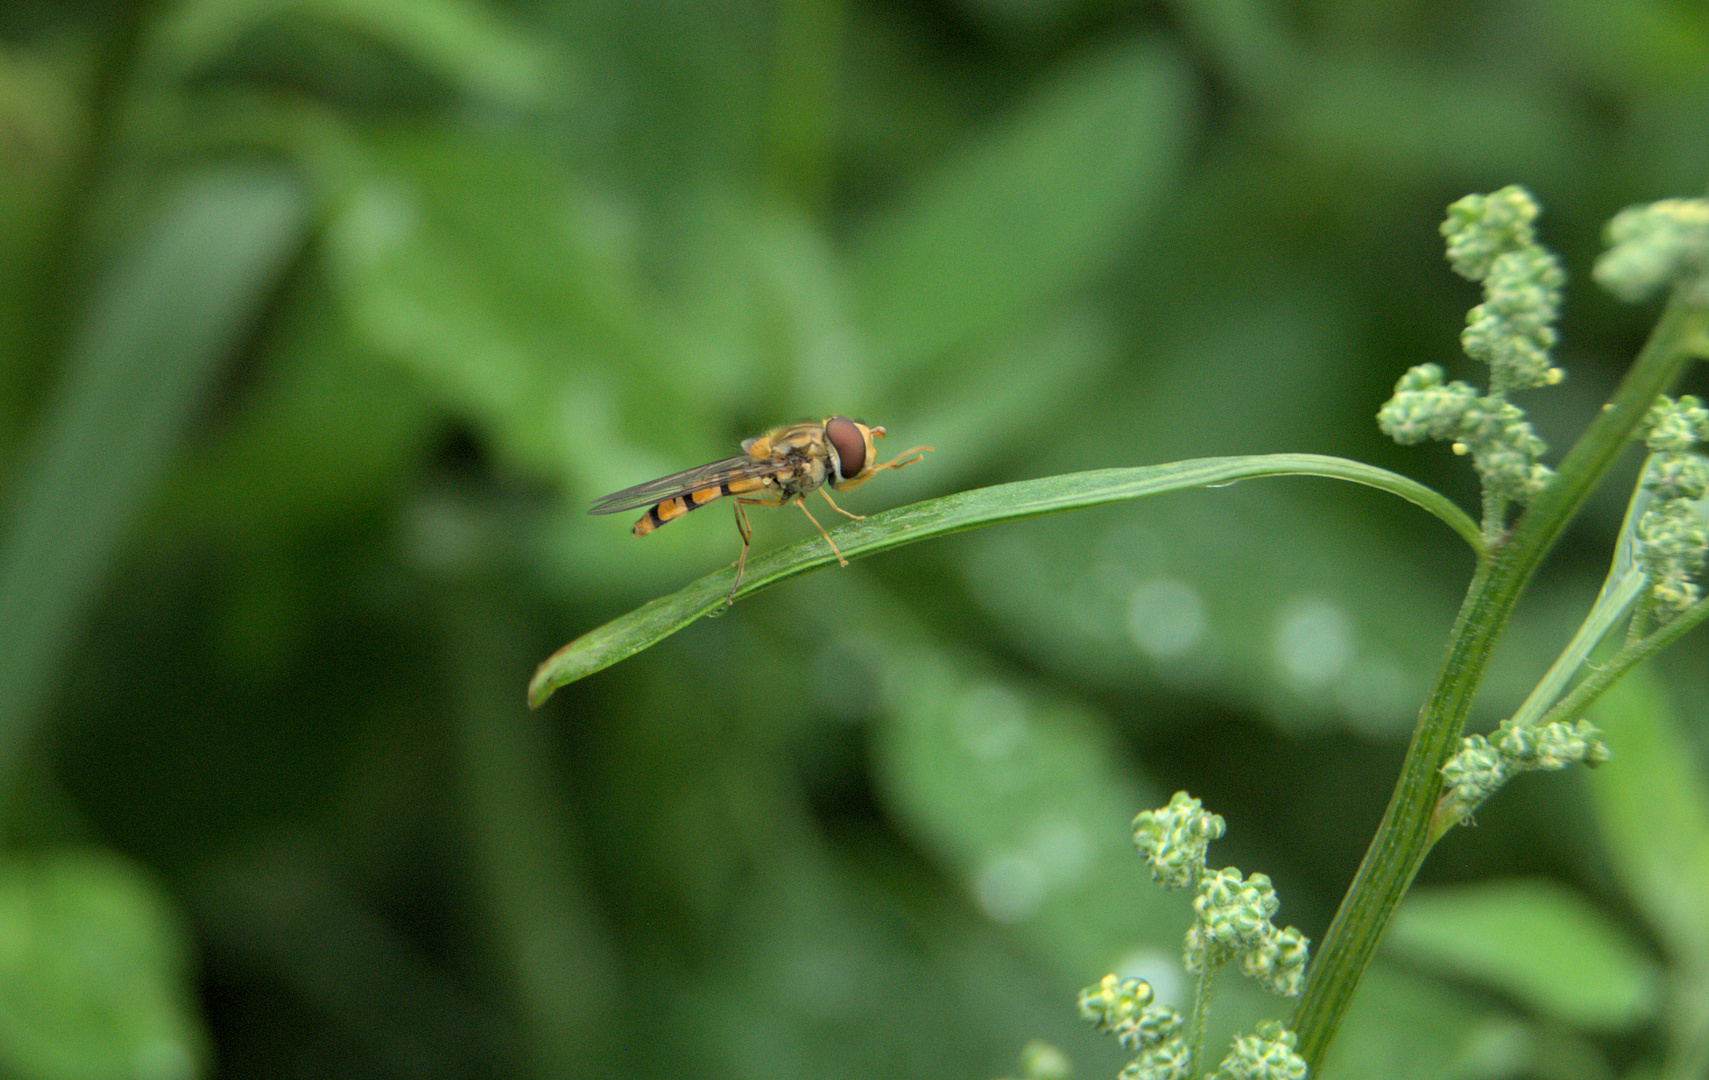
[670,497]
[784,465]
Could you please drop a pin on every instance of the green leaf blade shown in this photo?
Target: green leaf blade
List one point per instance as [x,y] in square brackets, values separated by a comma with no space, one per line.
[1038,205]
[1652,811]
[1537,941]
[170,312]
[629,634]
[95,981]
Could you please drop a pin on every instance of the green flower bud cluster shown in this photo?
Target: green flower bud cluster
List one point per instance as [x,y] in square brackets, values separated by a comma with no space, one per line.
[1491,240]
[1552,746]
[1676,427]
[1481,227]
[1234,916]
[1125,1009]
[1673,533]
[1653,247]
[1424,407]
[1473,774]
[1672,539]
[1483,765]
[1514,328]
[1277,961]
[1493,430]
[1173,840]
[1504,449]
[1232,913]
[1232,921]
[1268,1055]
[1167,1061]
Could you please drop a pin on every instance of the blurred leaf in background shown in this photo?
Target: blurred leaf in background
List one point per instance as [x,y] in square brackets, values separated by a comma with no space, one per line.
[325,321]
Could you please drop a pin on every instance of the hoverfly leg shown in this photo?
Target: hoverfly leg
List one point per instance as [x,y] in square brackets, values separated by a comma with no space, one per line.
[842,561]
[911,456]
[853,517]
[747,532]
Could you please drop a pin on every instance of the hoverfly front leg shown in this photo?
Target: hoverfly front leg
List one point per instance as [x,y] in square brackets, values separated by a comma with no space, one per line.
[906,457]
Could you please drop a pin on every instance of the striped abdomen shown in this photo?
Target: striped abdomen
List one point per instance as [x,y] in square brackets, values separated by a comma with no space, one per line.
[676,506]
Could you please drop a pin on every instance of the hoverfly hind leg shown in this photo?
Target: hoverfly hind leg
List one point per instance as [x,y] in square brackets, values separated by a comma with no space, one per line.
[747,533]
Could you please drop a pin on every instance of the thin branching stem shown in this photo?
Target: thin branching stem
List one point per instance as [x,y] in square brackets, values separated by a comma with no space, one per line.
[1203,993]
[1404,836]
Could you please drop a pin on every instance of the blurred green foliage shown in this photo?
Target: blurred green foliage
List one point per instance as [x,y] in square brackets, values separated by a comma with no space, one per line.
[324,321]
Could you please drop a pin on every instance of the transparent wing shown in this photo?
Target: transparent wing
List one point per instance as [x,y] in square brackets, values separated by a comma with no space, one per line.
[741,467]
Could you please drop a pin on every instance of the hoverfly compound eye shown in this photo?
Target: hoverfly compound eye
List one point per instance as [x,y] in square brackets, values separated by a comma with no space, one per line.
[850,443]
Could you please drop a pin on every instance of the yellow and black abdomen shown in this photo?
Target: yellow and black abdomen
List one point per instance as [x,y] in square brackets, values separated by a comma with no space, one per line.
[672,508]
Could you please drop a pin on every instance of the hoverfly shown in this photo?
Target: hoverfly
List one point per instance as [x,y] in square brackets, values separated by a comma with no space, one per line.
[784,465]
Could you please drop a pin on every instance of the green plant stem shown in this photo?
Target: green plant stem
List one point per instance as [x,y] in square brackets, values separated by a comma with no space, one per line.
[1605,675]
[1403,838]
[1494,517]
[1593,686]
[1200,1023]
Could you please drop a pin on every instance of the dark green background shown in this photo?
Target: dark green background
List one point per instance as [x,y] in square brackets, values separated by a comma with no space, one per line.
[324,322]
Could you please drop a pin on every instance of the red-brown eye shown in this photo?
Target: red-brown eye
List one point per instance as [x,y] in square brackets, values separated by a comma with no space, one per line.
[850,444]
